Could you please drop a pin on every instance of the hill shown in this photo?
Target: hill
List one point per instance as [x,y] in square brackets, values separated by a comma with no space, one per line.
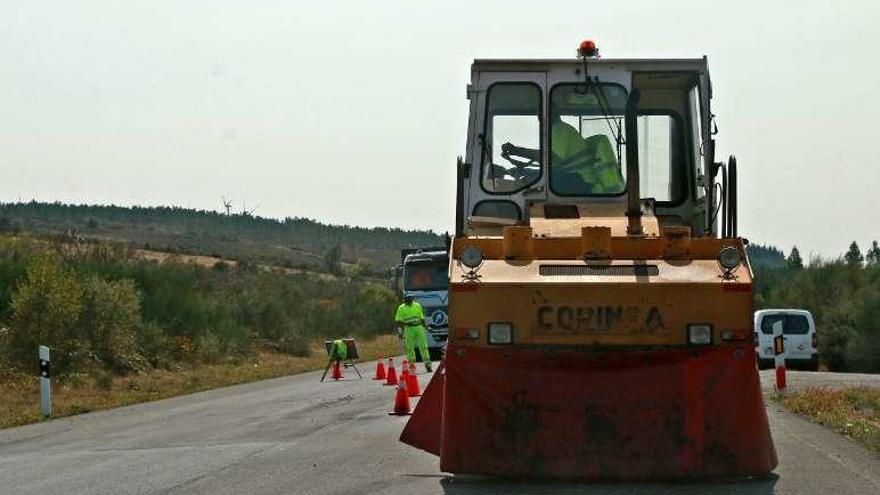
[292,242]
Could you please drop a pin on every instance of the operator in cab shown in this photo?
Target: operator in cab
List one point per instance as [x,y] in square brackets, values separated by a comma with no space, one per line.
[583,165]
[579,165]
[411,323]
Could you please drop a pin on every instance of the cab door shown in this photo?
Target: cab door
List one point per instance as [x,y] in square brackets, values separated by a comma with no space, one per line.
[506,149]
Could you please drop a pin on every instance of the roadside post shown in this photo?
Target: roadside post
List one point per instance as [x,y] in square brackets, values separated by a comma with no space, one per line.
[779,353]
[45,382]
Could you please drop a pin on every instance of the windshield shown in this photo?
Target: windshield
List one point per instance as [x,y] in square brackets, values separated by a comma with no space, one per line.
[585,140]
[426,275]
[587,145]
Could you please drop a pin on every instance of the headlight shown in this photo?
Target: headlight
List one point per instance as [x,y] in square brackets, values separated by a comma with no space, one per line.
[471,257]
[699,334]
[729,258]
[500,333]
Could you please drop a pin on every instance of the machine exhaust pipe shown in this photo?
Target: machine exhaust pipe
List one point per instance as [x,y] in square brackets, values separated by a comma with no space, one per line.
[633,203]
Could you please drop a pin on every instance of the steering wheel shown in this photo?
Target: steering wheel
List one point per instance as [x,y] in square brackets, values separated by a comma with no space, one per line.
[520,158]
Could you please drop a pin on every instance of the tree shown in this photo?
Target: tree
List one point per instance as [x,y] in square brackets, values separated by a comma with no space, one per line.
[872,257]
[854,257]
[794,260]
[333,259]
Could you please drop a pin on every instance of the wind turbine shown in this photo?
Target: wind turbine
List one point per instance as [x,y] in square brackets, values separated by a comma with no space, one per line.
[226,204]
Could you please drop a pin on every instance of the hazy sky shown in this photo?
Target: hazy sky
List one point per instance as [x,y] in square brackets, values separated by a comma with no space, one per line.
[354,112]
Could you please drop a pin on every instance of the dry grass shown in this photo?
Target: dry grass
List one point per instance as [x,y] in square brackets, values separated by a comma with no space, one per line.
[853,412]
[19,394]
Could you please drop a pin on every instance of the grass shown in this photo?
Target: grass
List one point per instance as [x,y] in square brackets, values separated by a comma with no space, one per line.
[93,392]
[852,412]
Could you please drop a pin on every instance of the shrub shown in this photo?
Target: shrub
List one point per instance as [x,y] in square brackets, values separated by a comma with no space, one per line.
[154,345]
[294,343]
[209,349]
[110,318]
[46,306]
[373,308]
[104,381]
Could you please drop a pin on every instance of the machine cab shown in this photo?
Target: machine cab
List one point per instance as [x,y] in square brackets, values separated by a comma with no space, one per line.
[550,139]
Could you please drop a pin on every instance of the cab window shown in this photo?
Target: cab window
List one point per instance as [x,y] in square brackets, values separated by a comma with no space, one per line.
[661,154]
[511,145]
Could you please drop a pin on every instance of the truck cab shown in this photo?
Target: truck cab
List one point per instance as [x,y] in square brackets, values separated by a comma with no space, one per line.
[524,112]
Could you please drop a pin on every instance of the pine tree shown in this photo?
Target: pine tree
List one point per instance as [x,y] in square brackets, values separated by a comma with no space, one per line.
[794,260]
[854,257]
[872,257]
[333,259]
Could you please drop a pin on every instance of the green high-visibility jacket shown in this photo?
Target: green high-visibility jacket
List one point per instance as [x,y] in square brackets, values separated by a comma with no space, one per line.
[341,349]
[410,315]
[591,158]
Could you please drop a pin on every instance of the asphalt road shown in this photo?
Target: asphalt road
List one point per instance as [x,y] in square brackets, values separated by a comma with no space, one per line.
[295,435]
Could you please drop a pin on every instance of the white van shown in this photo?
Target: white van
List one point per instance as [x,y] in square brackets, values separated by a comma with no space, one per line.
[799,333]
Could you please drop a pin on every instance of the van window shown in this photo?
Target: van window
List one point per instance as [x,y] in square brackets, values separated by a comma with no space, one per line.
[791,324]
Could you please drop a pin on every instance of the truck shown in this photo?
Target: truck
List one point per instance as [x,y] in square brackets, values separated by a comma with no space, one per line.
[423,274]
[600,297]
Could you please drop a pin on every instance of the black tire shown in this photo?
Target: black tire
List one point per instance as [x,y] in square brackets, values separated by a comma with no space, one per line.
[435,353]
[813,365]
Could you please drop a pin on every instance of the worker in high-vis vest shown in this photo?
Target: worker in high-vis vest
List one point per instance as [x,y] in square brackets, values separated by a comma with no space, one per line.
[411,320]
[583,165]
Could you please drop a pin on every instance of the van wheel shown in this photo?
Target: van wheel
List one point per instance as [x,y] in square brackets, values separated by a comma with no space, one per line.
[813,365]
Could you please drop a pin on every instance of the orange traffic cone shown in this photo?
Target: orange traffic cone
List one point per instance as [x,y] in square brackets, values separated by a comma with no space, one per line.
[337,371]
[380,370]
[412,384]
[403,377]
[391,378]
[401,400]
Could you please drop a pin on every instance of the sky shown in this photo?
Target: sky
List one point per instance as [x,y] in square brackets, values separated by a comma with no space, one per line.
[354,112]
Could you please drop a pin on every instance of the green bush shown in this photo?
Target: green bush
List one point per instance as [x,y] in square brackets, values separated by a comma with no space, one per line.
[294,343]
[155,345]
[209,349]
[46,306]
[110,318]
